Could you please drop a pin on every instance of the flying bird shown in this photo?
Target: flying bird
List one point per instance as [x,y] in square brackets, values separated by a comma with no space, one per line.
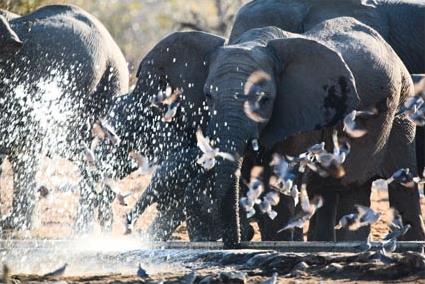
[272,198]
[284,175]
[366,215]
[308,210]
[167,97]
[255,94]
[347,221]
[171,112]
[209,154]
[397,228]
[255,189]
[295,194]
[414,108]
[58,272]
[354,221]
[332,162]
[89,155]
[142,162]
[351,125]
[119,197]
[103,130]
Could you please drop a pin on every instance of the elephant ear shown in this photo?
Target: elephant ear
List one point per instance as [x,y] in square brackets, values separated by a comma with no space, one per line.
[180,61]
[9,40]
[315,88]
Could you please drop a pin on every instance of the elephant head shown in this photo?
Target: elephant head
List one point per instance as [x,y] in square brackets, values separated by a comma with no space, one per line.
[9,40]
[179,62]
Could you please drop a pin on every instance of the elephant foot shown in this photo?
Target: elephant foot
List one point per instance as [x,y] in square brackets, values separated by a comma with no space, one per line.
[165,223]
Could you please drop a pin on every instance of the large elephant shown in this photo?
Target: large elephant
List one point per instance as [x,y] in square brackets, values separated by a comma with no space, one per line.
[59,69]
[400,23]
[316,79]
[171,145]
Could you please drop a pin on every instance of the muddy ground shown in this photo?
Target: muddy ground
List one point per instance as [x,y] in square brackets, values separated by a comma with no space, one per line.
[54,216]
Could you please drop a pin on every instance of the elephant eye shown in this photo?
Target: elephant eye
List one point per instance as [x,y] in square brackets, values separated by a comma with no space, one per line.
[208,95]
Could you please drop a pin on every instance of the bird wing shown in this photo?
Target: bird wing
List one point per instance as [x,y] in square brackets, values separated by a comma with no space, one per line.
[363,210]
[304,200]
[203,142]
[226,156]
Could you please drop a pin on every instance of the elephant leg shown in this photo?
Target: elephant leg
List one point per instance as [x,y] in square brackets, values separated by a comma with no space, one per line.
[168,183]
[401,154]
[88,202]
[169,216]
[406,201]
[322,224]
[105,213]
[24,168]
[347,201]
[269,228]
[198,205]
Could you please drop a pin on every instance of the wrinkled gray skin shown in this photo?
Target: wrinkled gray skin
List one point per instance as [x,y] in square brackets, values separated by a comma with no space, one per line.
[170,145]
[70,52]
[400,23]
[315,84]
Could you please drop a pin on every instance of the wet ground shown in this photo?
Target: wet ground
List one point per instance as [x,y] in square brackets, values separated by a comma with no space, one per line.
[116,261]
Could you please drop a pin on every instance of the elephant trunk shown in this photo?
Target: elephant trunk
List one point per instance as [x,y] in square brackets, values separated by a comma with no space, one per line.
[232,129]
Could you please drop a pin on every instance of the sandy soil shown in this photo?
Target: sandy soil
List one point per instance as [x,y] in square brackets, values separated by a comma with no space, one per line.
[55,214]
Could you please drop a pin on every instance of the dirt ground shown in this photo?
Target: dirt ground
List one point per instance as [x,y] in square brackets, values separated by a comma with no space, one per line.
[54,216]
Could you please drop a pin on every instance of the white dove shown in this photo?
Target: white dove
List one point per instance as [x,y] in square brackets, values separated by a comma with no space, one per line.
[142,162]
[351,127]
[270,199]
[103,130]
[208,158]
[308,210]
[89,155]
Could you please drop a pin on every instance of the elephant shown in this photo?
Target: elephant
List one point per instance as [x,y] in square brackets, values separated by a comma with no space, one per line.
[400,23]
[59,70]
[315,80]
[170,145]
